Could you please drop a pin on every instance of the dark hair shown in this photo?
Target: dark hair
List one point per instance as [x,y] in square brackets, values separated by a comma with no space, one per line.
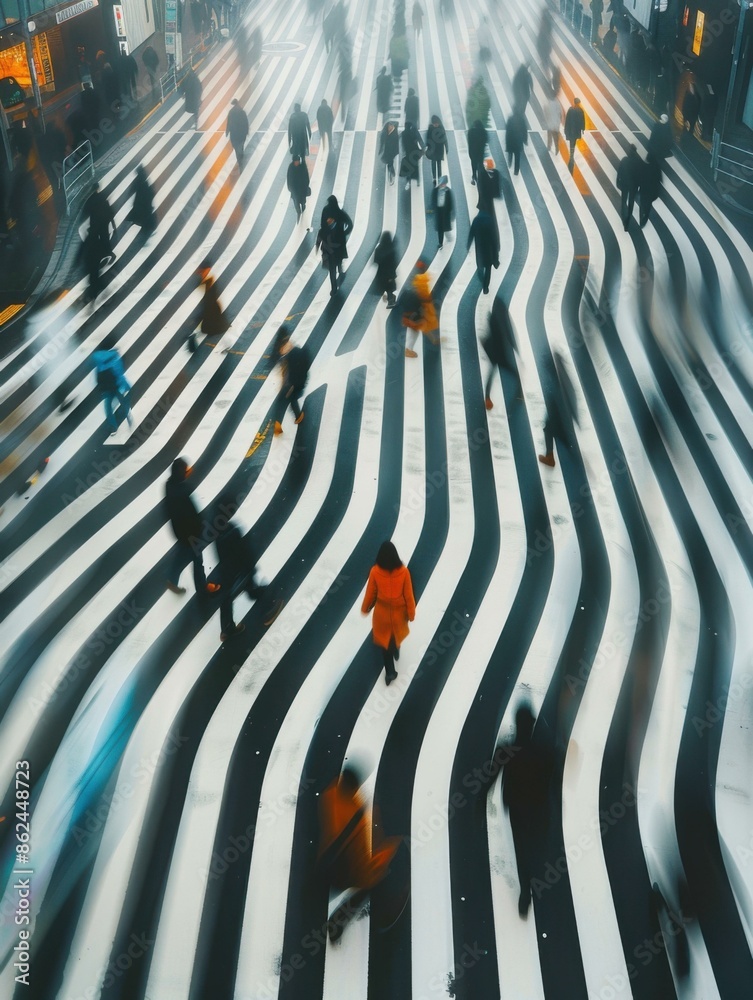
[179,467]
[387,557]
[524,723]
[351,778]
[281,337]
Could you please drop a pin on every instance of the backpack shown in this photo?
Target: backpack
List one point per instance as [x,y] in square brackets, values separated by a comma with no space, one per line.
[106,381]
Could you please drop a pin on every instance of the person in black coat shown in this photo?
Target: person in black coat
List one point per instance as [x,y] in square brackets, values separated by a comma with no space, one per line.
[191,88]
[516,136]
[324,121]
[237,566]
[299,132]
[213,320]
[413,149]
[298,185]
[489,185]
[691,107]
[661,140]
[384,89]
[477,142]
[411,107]
[628,182]
[336,225]
[294,365]
[436,147]
[389,147]
[521,87]
[484,234]
[499,346]
[385,258]
[575,124]
[650,187]
[237,129]
[443,206]
[188,528]
[142,210]
[561,410]
[101,221]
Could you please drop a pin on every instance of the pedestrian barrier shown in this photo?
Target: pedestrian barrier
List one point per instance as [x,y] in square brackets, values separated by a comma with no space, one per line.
[78,173]
[168,83]
[732,161]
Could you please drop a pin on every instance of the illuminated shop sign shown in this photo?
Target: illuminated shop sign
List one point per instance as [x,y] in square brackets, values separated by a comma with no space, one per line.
[698,36]
[75,9]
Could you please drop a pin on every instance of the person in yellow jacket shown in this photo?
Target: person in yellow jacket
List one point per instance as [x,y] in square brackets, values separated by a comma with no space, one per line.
[389,592]
[419,314]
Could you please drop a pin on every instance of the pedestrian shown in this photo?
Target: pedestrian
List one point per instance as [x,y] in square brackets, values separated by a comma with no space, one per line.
[91,253]
[489,185]
[142,211]
[294,366]
[102,226]
[354,853]
[526,779]
[335,227]
[521,87]
[389,593]
[477,142]
[484,234]
[650,187]
[113,386]
[417,17]
[544,38]
[298,185]
[385,258]
[237,129]
[191,88]
[661,140]
[389,147]
[237,566]
[188,528]
[213,321]
[561,411]
[552,122]
[597,12]
[436,147]
[442,203]
[691,107]
[419,313]
[499,345]
[384,88]
[411,107]
[516,136]
[628,183]
[299,132]
[413,150]
[325,120]
[575,124]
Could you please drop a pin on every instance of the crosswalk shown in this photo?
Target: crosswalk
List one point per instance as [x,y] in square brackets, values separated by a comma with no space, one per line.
[175,782]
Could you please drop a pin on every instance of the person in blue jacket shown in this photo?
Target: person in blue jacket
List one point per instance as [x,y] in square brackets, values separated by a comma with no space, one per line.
[113,386]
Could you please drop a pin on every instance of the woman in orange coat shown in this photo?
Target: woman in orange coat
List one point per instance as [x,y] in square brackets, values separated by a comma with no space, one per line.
[420,316]
[390,593]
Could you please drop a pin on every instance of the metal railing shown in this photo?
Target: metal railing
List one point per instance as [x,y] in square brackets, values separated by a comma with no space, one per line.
[732,161]
[78,172]
[168,83]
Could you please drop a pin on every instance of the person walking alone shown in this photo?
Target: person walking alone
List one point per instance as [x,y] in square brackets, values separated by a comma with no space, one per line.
[336,225]
[324,121]
[237,565]
[483,233]
[413,150]
[650,187]
[628,183]
[213,320]
[237,130]
[142,210]
[436,147]
[113,386]
[419,313]
[417,18]
[522,84]
[385,258]
[389,593]
[389,148]
[298,185]
[575,124]
[188,528]
[443,206]
[516,136]
[477,142]
[299,132]
[191,88]
[411,107]
[384,89]
[552,122]
[294,365]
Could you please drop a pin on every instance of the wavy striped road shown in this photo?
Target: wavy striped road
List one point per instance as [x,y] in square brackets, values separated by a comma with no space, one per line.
[174,782]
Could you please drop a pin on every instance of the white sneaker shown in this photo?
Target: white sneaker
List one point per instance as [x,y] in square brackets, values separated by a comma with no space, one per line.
[407,186]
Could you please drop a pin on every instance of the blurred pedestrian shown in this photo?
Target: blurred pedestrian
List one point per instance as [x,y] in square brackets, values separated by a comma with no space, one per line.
[561,411]
[575,124]
[552,122]
[389,593]
[294,367]
[419,314]
[237,566]
[436,147]
[113,386]
[385,258]
[389,147]
[544,38]
[336,225]
[691,107]
[650,187]
[483,233]
[477,142]
[661,141]
[142,211]
[499,345]
[191,88]
[324,121]
[522,84]
[299,132]
[188,528]
[298,185]
[443,206]
[101,218]
[214,323]
[417,17]
[384,88]
[413,150]
[628,183]
[489,185]
[516,136]
[411,107]
[237,129]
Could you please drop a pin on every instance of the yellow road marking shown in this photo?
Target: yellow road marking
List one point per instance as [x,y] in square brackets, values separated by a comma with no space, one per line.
[10,312]
[259,439]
